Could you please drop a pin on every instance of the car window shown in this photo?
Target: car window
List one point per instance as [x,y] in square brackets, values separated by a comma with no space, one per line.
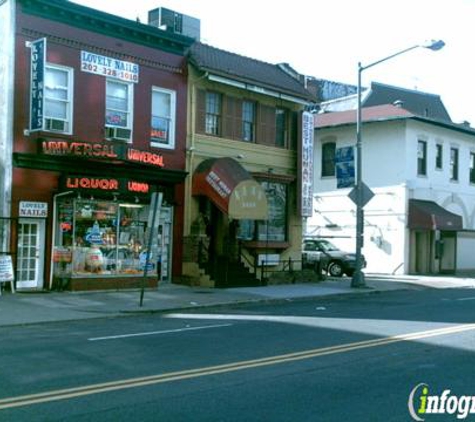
[326,246]
[309,246]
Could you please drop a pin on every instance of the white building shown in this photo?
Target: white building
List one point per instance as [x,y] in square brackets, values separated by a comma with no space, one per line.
[422,172]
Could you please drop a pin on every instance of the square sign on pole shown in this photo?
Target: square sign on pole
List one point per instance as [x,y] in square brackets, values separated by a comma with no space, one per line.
[366,194]
[345,167]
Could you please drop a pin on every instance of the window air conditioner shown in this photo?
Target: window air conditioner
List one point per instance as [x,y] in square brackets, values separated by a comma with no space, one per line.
[118,133]
[55,125]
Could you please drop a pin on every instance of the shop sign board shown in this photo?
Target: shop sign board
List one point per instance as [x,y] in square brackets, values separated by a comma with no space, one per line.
[104,184]
[6,268]
[109,67]
[306,165]
[37,75]
[33,209]
[109,150]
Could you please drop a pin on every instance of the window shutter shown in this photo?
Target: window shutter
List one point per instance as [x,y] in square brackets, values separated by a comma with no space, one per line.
[266,125]
[229,106]
[200,118]
[238,119]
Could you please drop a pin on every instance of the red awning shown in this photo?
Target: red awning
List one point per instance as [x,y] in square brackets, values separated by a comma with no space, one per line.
[427,215]
[231,188]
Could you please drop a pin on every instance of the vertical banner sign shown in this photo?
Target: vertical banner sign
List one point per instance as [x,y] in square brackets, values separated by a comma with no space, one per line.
[306,164]
[38,58]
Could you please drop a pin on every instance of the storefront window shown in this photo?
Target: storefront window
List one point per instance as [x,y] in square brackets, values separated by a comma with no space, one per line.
[95,237]
[275,228]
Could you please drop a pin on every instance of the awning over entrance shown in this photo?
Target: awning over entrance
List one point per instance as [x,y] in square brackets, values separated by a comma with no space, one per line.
[427,215]
[231,188]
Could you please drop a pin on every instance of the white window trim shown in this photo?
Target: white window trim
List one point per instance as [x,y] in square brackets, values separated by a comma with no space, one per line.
[171,143]
[130,105]
[70,99]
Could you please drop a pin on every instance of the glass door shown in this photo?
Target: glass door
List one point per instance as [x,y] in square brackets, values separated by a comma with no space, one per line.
[30,253]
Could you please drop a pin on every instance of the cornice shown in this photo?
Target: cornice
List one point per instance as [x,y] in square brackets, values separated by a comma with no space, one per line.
[103,23]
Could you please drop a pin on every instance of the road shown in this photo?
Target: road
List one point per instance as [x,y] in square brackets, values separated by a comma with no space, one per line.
[352,358]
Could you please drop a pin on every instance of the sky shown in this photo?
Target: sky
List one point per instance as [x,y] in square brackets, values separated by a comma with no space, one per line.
[327,39]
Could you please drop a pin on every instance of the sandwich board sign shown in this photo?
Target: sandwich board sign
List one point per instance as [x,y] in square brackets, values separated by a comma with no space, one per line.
[6,271]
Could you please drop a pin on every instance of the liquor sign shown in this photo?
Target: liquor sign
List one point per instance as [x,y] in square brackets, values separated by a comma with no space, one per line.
[105,184]
[109,67]
[306,153]
[33,209]
[37,63]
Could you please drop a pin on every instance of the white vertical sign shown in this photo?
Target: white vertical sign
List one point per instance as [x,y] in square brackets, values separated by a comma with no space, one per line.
[307,164]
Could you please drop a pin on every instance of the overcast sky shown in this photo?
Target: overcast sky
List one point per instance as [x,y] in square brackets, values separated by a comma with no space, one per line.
[327,39]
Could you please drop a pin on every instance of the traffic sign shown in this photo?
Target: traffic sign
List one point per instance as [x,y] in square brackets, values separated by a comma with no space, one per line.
[366,194]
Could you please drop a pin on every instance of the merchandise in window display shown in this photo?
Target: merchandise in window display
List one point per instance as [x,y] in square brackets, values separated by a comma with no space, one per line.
[108,237]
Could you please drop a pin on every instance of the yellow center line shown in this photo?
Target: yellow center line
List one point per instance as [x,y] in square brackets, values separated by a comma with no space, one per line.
[75,392]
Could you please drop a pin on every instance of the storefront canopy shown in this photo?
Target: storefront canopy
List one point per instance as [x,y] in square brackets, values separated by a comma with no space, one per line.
[231,188]
[427,215]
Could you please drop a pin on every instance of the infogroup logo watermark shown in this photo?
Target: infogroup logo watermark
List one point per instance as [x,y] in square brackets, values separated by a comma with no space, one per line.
[421,404]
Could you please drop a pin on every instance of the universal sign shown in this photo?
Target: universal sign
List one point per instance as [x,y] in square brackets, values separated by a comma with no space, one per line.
[107,150]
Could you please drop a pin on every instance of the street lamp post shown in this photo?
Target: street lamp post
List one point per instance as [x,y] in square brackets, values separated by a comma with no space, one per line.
[358,279]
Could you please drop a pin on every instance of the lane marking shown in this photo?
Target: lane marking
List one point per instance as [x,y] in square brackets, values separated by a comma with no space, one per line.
[75,392]
[151,333]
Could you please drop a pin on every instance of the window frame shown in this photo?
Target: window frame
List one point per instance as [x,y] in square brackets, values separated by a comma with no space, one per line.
[421,157]
[69,101]
[154,141]
[325,162]
[214,116]
[281,129]
[471,175]
[439,156]
[130,104]
[257,230]
[454,164]
[248,123]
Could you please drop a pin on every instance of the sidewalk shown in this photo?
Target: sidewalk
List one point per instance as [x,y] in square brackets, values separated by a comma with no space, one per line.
[31,308]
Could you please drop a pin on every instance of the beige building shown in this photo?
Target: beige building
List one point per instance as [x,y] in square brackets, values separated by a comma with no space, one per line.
[243,221]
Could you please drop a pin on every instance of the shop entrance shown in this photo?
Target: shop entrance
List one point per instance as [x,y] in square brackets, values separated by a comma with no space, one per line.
[30,253]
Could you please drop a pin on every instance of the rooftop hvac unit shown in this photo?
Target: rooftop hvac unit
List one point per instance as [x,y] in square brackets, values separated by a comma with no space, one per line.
[177,23]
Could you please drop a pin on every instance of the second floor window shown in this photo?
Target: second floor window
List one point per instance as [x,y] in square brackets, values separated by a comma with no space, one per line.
[248,121]
[58,99]
[328,159]
[213,113]
[422,158]
[162,130]
[454,164]
[472,167]
[438,156]
[280,127]
[118,104]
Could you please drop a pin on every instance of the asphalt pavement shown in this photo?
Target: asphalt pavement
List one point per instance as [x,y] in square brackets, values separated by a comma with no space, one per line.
[39,307]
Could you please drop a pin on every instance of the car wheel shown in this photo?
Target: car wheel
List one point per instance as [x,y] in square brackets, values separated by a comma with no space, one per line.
[335,269]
